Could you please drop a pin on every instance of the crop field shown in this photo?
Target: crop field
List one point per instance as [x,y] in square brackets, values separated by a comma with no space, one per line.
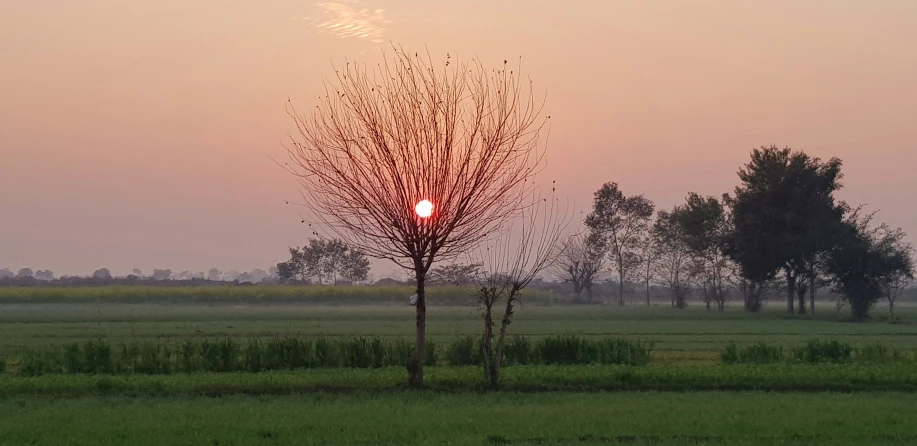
[153,367]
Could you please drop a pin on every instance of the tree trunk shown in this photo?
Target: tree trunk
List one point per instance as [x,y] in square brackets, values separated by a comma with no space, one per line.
[415,369]
[790,292]
[891,305]
[620,288]
[647,292]
[487,342]
[812,294]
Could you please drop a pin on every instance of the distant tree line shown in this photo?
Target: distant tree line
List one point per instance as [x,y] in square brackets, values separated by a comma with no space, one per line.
[323,262]
[103,276]
[781,228]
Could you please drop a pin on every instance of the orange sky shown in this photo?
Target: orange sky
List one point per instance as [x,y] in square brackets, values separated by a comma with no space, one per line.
[140,134]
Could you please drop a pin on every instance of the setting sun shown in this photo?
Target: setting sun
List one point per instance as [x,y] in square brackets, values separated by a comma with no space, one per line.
[424,209]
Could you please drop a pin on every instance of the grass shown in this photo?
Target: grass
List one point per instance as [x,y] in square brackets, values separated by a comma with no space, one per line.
[855,385]
[693,335]
[255,294]
[784,377]
[289,353]
[464,419]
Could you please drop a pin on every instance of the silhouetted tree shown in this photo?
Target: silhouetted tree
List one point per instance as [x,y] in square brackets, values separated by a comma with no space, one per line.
[5,273]
[706,227]
[785,215]
[213,274]
[649,253]
[162,274]
[890,244]
[355,266]
[622,222]
[509,264]
[44,274]
[458,135]
[258,275]
[861,263]
[327,261]
[102,274]
[580,261]
[287,271]
[455,273]
[25,273]
[137,272]
[674,254]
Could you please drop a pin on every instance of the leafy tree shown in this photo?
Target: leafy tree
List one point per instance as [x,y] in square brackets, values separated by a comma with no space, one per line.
[580,260]
[330,256]
[324,260]
[5,273]
[162,274]
[785,215]
[25,273]
[456,273]
[213,274]
[622,222]
[355,266]
[863,261]
[137,272]
[894,243]
[705,226]
[288,270]
[674,255]
[102,274]
[44,274]
[258,274]
[890,244]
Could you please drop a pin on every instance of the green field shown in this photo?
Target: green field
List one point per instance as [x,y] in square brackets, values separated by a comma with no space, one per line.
[466,419]
[693,335]
[684,396]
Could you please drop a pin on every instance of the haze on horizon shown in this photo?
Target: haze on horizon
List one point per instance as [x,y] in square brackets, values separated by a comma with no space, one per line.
[142,134]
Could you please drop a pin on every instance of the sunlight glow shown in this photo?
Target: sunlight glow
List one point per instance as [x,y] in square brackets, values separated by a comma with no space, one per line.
[424,209]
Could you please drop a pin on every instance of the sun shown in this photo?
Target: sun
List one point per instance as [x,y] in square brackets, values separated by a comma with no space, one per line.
[424,208]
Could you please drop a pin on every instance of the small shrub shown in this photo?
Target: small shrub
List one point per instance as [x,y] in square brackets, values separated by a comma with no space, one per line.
[816,351]
[623,352]
[464,351]
[518,351]
[325,354]
[566,350]
[399,352]
[880,354]
[730,354]
[430,354]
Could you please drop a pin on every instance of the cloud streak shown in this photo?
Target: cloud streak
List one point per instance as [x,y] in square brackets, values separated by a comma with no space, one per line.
[347,19]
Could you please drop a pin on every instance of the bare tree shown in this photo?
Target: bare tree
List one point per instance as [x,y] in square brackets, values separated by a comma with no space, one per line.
[581,259]
[458,139]
[622,222]
[510,263]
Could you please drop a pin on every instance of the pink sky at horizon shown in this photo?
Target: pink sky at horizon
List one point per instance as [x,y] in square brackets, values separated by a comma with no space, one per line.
[144,134]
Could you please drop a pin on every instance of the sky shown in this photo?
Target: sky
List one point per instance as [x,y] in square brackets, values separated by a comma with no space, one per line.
[147,134]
